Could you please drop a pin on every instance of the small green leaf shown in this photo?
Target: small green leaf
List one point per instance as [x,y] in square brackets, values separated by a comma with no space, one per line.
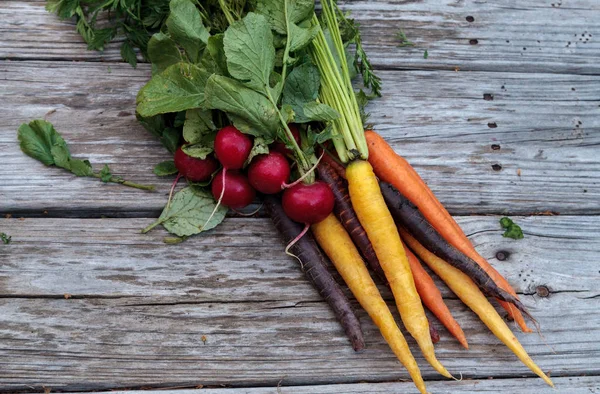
[180,87]
[168,136]
[275,11]
[425,54]
[319,112]
[199,151]
[5,238]
[37,139]
[98,38]
[288,113]
[188,212]
[403,40]
[170,139]
[61,155]
[165,168]
[162,52]
[250,52]
[41,141]
[186,28]
[128,54]
[301,87]
[198,126]
[512,229]
[105,174]
[249,111]
[301,37]
[214,59]
[260,147]
[81,167]
[319,138]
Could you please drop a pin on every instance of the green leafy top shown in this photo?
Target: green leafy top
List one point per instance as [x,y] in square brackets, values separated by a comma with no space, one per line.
[101,21]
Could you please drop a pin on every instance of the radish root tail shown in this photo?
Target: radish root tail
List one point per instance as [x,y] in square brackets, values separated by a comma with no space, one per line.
[218,202]
[293,242]
[173,189]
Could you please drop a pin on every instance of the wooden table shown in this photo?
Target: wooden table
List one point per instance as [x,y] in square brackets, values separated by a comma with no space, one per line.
[501,118]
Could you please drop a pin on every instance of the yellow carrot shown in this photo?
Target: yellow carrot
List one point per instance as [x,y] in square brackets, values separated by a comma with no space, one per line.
[377,221]
[337,244]
[470,294]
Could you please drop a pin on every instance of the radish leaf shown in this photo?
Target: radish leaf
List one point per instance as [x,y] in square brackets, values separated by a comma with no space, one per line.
[162,52]
[250,52]
[165,168]
[188,212]
[179,87]
[40,140]
[186,28]
[198,126]
[249,111]
[260,147]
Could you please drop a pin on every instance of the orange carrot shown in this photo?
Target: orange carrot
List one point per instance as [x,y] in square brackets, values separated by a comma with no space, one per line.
[393,169]
[432,298]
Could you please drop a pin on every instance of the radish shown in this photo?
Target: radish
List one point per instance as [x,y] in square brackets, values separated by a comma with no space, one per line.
[269,173]
[237,194]
[232,147]
[308,204]
[193,169]
[280,147]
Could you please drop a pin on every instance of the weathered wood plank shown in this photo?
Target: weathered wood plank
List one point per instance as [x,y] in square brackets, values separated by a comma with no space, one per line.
[571,385]
[96,344]
[243,259]
[528,37]
[544,127]
[138,309]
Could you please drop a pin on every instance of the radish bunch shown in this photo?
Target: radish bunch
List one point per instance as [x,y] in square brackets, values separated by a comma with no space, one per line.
[266,174]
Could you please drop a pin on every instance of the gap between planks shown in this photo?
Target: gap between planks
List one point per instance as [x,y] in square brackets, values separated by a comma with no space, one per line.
[470,150]
[535,37]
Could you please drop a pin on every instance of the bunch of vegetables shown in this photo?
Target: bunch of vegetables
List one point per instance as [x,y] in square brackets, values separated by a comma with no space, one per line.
[256,99]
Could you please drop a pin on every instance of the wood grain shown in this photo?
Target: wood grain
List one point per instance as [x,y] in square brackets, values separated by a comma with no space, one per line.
[243,259]
[95,344]
[544,127]
[136,309]
[531,36]
[573,385]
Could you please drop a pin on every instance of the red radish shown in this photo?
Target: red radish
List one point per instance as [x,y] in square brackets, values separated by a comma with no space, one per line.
[232,147]
[193,169]
[238,192]
[268,173]
[308,204]
[280,147]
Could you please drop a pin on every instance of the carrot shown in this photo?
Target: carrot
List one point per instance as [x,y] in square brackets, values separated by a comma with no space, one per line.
[339,169]
[469,293]
[375,218]
[337,244]
[345,213]
[394,169]
[313,265]
[411,218]
[432,298]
